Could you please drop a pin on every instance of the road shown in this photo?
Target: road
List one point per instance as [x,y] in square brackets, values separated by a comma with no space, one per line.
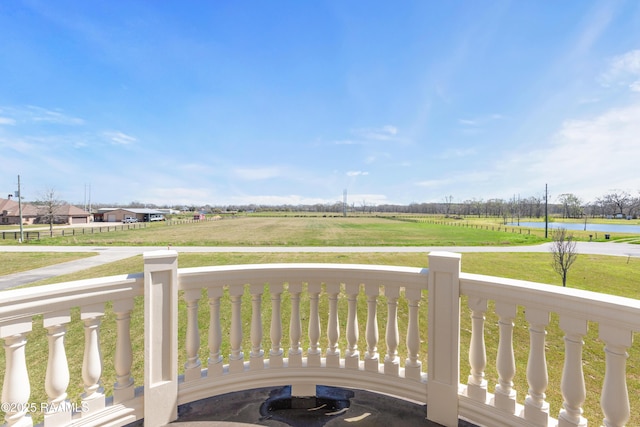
[106,255]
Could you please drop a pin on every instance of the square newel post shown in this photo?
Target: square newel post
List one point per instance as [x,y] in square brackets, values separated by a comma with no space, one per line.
[160,337]
[444,338]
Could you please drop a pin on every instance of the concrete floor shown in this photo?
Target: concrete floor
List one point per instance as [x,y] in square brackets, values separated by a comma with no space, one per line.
[332,407]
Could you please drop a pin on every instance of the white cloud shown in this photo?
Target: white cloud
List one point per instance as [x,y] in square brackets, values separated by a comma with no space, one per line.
[433,183]
[585,156]
[385,133]
[357,173]
[17,144]
[271,200]
[7,121]
[39,114]
[624,70]
[119,138]
[479,121]
[458,152]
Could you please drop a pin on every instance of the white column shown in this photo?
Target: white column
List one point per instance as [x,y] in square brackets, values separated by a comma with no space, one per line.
[15,388]
[444,338]
[614,399]
[215,365]
[371,356]
[93,398]
[572,385]
[256,357]
[276,353]
[505,395]
[161,337]
[314,353]
[295,327]
[352,355]
[193,366]
[236,358]
[412,365]
[536,409]
[391,359]
[333,330]
[124,388]
[57,377]
[476,383]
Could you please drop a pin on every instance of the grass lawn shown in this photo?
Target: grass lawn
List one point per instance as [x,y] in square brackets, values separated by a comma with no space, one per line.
[299,231]
[23,261]
[615,275]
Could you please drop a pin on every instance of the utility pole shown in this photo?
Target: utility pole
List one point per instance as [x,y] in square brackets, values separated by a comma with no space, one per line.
[344,203]
[20,210]
[546,212]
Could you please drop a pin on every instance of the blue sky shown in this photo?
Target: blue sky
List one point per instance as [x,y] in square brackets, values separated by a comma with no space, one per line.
[273,102]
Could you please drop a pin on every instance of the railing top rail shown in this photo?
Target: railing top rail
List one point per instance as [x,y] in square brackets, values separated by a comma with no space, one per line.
[408,277]
[20,303]
[577,303]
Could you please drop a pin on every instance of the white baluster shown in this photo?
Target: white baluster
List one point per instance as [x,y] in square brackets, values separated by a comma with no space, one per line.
[352,355]
[58,411]
[276,353]
[371,356]
[476,383]
[123,389]
[214,368]
[572,385]
[615,396]
[314,353]
[295,327]
[536,409]
[93,399]
[15,388]
[505,395]
[236,358]
[333,330]
[391,359]
[193,366]
[412,365]
[256,357]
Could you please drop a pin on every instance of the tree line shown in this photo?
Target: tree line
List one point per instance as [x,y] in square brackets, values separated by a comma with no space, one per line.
[615,204]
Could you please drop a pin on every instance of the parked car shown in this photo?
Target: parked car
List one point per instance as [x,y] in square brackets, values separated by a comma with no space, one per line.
[130,219]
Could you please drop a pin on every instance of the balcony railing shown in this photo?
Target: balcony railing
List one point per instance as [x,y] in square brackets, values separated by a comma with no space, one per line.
[282,301]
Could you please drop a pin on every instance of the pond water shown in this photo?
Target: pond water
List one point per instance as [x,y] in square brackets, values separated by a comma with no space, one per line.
[611,228]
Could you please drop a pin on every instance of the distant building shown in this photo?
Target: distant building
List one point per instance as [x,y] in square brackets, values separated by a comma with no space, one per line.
[34,214]
[119,214]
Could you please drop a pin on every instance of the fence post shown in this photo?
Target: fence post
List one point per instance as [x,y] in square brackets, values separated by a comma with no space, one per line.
[444,338]
[160,337]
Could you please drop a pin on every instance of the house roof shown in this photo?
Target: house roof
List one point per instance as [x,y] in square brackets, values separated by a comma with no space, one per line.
[28,209]
[13,209]
[70,210]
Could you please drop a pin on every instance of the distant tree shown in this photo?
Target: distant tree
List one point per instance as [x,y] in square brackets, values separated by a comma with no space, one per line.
[571,205]
[448,200]
[619,201]
[564,252]
[49,207]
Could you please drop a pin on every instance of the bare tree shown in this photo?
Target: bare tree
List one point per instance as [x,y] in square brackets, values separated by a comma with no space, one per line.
[49,206]
[448,200]
[619,201]
[564,252]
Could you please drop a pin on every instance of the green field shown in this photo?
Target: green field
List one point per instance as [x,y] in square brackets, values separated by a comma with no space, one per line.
[299,231]
[307,230]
